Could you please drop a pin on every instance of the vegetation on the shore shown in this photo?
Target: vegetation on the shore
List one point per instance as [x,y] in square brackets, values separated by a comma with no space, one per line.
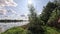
[16,30]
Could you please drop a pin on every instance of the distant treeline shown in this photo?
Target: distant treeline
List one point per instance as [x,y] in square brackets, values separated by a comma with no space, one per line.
[12,20]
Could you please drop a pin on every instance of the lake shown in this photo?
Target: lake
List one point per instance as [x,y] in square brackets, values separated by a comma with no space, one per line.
[5,26]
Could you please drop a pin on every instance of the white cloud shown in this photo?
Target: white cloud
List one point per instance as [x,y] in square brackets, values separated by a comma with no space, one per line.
[10,3]
[3,11]
[7,13]
[7,3]
[2,2]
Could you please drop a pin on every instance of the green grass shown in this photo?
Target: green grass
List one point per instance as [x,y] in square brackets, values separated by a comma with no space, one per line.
[19,30]
[15,30]
[52,30]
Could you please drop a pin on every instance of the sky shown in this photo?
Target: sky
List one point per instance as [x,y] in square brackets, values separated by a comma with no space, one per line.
[22,7]
[19,8]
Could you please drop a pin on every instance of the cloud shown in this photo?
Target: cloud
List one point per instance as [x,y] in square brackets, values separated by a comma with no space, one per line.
[3,11]
[10,3]
[7,3]
[8,14]
[2,2]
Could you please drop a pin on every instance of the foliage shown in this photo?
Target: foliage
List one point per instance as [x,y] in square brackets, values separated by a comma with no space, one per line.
[52,30]
[47,11]
[53,20]
[16,30]
[57,2]
[34,25]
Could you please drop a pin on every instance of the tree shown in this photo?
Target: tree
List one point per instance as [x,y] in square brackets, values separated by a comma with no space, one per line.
[57,2]
[53,20]
[34,25]
[47,11]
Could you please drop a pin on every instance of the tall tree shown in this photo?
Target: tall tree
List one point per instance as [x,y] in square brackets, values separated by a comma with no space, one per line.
[47,11]
[34,25]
